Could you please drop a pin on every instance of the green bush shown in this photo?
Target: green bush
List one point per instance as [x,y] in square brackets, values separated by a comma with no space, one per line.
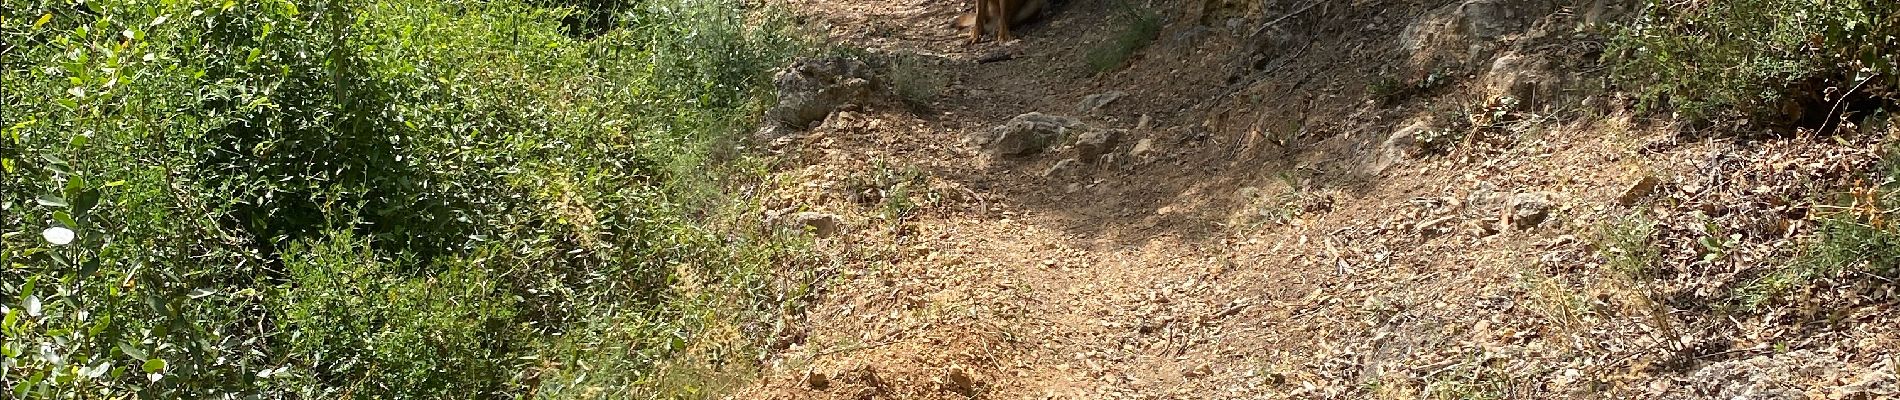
[1779,62]
[1143,26]
[375,198]
[1861,240]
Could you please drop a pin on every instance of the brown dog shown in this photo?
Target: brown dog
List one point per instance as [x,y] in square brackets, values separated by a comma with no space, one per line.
[1002,13]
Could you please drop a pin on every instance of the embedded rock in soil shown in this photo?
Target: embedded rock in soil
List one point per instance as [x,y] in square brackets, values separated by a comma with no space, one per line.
[810,89]
[1091,145]
[1642,188]
[1492,19]
[821,224]
[1143,146]
[1526,78]
[960,382]
[1095,102]
[1529,209]
[1029,134]
[1064,167]
[1462,33]
[1403,144]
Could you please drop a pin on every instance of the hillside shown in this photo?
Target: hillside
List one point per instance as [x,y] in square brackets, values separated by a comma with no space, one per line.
[848,199]
[1368,199]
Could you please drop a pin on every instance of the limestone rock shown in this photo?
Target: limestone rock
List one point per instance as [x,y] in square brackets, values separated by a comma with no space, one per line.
[1095,102]
[1091,145]
[811,88]
[1529,209]
[1061,168]
[1029,134]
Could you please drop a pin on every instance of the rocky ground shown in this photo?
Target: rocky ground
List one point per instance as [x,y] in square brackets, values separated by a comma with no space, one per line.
[1278,199]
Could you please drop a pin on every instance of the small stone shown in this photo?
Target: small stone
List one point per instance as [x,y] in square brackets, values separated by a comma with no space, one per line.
[817,380]
[1434,226]
[1063,167]
[1642,188]
[821,224]
[1092,145]
[1529,209]
[1143,146]
[1095,102]
[960,382]
[1198,371]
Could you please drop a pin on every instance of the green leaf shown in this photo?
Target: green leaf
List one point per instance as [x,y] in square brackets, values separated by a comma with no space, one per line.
[154,365]
[79,141]
[66,219]
[74,186]
[86,200]
[100,325]
[52,200]
[19,390]
[96,370]
[89,267]
[131,351]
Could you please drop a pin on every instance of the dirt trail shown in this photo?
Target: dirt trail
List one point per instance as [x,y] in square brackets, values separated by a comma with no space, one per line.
[1268,246]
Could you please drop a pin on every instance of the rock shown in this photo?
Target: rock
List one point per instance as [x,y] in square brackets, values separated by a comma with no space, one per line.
[994,56]
[1064,167]
[1525,78]
[1095,102]
[1463,33]
[812,88]
[1492,19]
[1403,144]
[1143,146]
[1197,371]
[959,382]
[821,224]
[1092,145]
[817,380]
[1529,209]
[1029,134]
[1435,226]
[1641,189]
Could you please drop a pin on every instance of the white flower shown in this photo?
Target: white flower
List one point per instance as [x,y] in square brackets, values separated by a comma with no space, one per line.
[58,235]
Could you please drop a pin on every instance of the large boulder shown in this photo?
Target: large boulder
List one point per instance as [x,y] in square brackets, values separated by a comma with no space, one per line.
[811,88]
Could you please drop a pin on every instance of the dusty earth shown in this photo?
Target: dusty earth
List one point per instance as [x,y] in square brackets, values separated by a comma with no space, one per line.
[1283,217]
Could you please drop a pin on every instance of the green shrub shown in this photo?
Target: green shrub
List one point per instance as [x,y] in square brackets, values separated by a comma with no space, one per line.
[377,198]
[1141,29]
[1779,62]
[1864,239]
